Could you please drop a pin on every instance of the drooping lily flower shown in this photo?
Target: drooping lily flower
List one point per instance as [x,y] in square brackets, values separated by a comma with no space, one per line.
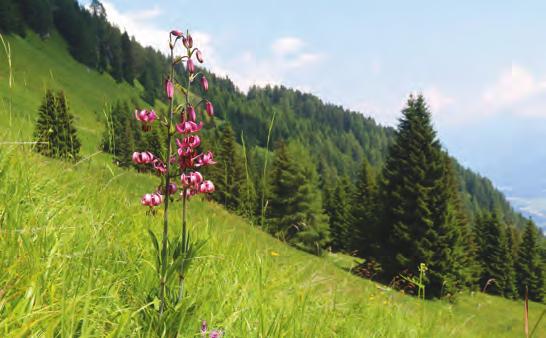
[210,108]
[188,127]
[205,159]
[176,33]
[193,179]
[159,166]
[204,83]
[169,89]
[190,67]
[199,56]
[192,141]
[206,187]
[143,157]
[185,151]
[152,200]
[146,117]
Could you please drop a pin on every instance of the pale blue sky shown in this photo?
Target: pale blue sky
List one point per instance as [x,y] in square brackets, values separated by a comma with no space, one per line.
[482,66]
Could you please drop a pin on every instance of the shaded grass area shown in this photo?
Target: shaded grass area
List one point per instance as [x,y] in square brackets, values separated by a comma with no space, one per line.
[75,255]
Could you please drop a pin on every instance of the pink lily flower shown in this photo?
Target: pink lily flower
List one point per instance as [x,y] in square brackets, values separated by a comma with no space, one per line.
[159,166]
[146,117]
[192,179]
[185,151]
[176,33]
[205,159]
[204,83]
[152,200]
[143,157]
[206,187]
[188,127]
[192,141]
[210,108]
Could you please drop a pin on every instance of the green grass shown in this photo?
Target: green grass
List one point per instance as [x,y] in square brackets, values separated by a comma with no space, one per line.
[75,257]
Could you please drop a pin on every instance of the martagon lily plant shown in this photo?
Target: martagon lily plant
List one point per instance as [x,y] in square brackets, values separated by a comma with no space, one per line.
[178,168]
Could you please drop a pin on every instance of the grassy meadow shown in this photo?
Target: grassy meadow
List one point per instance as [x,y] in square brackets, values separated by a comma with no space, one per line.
[75,253]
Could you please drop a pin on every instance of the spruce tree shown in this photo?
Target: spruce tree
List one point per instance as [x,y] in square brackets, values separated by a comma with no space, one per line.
[450,267]
[229,173]
[365,240]
[45,133]
[128,57]
[119,134]
[68,142]
[419,222]
[55,133]
[337,207]
[494,256]
[529,265]
[295,209]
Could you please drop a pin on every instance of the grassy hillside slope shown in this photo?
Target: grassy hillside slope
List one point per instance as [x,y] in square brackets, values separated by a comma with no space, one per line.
[75,255]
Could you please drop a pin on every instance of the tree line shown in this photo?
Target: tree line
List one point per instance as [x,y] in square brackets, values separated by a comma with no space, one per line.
[338,140]
[91,39]
[408,212]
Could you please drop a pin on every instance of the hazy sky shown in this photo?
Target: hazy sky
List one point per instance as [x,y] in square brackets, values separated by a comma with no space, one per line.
[482,66]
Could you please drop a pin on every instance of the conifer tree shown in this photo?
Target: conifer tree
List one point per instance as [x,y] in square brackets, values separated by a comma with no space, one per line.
[529,265]
[452,264]
[295,209]
[365,240]
[45,133]
[55,133]
[419,221]
[121,137]
[125,145]
[337,207]
[494,257]
[68,142]
[128,57]
[232,184]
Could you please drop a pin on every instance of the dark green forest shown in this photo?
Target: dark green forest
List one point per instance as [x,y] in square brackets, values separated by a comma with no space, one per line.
[324,178]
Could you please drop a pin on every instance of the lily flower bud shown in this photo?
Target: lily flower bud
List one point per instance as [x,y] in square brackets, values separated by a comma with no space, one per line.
[190,67]
[191,113]
[176,33]
[210,108]
[169,89]
[199,56]
[204,83]
[187,41]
